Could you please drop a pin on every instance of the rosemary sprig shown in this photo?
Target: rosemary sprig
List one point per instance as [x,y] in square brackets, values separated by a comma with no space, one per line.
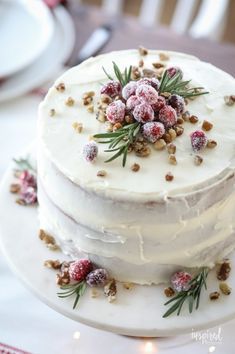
[122,78]
[175,85]
[24,164]
[76,289]
[119,141]
[192,296]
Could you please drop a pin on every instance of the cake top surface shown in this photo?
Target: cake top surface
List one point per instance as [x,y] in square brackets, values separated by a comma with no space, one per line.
[66,125]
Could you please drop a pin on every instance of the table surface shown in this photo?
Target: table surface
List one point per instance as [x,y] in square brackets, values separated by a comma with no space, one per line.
[24,321]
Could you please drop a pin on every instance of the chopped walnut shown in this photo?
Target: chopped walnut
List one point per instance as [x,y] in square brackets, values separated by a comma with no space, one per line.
[143,51]
[186,116]
[135,167]
[141,63]
[105,98]
[229,100]
[172,159]
[100,116]
[20,201]
[164,56]
[198,160]
[15,188]
[169,292]
[166,94]
[224,270]
[54,264]
[129,119]
[110,290]
[69,102]
[225,289]
[60,87]
[180,120]
[158,65]
[144,152]
[214,295]
[48,240]
[171,148]
[149,73]
[159,144]
[193,119]
[167,138]
[108,126]
[78,127]
[135,73]
[89,94]
[52,112]
[117,126]
[172,133]
[211,144]
[63,278]
[179,130]
[87,101]
[90,108]
[207,125]
[101,173]
[169,177]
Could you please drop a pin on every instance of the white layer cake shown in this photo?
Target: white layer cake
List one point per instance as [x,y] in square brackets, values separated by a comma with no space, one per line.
[137,225]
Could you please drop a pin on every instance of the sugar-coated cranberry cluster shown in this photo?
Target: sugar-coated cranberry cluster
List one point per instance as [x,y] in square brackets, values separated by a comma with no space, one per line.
[143,101]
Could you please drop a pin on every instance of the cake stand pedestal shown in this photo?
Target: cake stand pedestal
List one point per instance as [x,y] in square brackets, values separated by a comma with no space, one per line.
[136,312]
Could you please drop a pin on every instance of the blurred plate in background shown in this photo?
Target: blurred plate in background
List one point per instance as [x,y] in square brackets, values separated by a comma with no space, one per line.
[26,27]
[48,64]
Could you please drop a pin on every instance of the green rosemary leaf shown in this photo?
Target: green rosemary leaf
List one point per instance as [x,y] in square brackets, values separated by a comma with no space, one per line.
[129,74]
[108,76]
[77,289]
[120,152]
[124,156]
[24,164]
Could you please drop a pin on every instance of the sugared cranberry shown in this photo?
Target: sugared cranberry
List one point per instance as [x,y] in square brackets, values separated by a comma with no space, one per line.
[115,112]
[147,94]
[177,102]
[79,269]
[172,71]
[168,116]
[28,194]
[153,131]
[97,277]
[132,102]
[143,113]
[129,89]
[154,82]
[90,151]
[181,281]
[112,89]
[159,104]
[28,179]
[198,140]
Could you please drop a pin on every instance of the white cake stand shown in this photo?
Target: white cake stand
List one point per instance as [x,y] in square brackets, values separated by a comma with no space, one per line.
[136,312]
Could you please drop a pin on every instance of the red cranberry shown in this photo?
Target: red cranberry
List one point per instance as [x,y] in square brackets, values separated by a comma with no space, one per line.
[198,140]
[159,104]
[173,71]
[112,89]
[129,89]
[181,281]
[115,112]
[143,113]
[90,151]
[154,82]
[177,102]
[132,102]
[168,116]
[153,131]
[147,94]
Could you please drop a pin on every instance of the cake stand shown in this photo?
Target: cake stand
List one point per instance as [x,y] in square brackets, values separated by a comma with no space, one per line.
[136,312]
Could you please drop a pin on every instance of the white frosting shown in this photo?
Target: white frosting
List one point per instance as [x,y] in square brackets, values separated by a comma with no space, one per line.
[136,224]
[63,145]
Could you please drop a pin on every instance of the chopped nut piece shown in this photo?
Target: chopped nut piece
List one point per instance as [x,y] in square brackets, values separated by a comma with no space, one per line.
[169,292]
[60,87]
[78,127]
[164,56]
[20,201]
[101,173]
[225,289]
[198,160]
[172,159]
[172,133]
[89,94]
[110,290]
[211,144]
[128,286]
[193,119]
[144,152]
[54,264]
[15,188]
[207,125]
[90,108]
[179,130]
[143,51]
[149,73]
[94,293]
[129,119]
[160,144]
[48,240]
[171,148]
[186,116]
[69,102]
[100,116]
[167,138]
[141,63]
[166,94]
[224,270]
[117,126]
[135,167]
[180,121]
[63,278]
[169,177]
[52,112]
[109,126]
[135,73]
[158,65]
[105,98]
[214,295]
[229,100]
[87,101]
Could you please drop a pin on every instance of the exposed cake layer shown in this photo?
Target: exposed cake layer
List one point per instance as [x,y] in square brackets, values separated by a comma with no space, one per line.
[138,242]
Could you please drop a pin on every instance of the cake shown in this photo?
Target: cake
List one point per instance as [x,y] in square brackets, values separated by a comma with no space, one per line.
[171,206]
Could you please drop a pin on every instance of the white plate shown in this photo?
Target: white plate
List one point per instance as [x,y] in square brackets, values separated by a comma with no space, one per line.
[48,63]
[26,27]
[136,312]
